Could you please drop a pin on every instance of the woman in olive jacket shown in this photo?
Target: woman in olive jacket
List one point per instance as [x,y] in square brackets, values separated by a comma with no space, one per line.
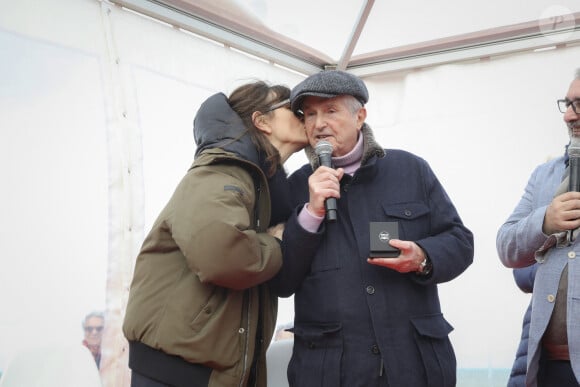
[199,313]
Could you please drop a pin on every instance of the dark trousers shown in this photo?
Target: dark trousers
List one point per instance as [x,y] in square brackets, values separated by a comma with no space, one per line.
[138,380]
[556,373]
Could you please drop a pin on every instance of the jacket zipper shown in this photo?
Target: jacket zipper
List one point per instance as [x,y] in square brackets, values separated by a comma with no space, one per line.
[245,368]
[258,189]
[257,206]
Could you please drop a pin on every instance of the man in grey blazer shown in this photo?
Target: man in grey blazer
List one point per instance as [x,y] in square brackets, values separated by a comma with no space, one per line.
[543,229]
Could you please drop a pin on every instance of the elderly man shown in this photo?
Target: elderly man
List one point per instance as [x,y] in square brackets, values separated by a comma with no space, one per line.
[543,228]
[93,325]
[362,319]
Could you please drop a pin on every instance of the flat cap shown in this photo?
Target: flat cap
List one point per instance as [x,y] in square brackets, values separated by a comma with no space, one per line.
[328,84]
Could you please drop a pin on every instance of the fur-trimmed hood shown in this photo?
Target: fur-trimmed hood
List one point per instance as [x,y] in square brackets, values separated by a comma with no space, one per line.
[370,148]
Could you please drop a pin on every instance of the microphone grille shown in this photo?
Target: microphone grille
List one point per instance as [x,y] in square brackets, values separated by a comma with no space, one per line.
[574,148]
[324,147]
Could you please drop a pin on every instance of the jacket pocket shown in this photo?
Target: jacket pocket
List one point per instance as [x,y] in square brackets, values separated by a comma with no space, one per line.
[413,218]
[207,310]
[432,339]
[317,356]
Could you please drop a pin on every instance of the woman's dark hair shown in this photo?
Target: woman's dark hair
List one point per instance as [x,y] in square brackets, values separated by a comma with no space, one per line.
[259,96]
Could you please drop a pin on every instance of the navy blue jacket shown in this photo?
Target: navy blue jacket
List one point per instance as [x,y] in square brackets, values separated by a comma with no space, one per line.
[358,324]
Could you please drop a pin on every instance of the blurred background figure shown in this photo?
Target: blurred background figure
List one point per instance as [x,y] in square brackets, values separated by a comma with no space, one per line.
[93,325]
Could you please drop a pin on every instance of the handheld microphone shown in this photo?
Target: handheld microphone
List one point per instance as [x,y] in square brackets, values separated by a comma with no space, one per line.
[574,164]
[323,150]
[574,171]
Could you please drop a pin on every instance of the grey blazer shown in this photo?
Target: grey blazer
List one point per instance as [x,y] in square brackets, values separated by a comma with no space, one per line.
[521,242]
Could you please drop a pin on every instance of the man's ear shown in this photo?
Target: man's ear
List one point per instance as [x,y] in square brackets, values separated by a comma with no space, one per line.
[361,116]
[261,122]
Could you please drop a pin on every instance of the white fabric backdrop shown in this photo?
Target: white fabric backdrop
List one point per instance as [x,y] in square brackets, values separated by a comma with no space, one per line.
[96,131]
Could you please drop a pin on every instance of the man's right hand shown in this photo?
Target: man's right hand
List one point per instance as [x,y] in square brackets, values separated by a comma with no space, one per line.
[562,214]
[322,184]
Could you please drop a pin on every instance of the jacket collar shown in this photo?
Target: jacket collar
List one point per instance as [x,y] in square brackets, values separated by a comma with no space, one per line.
[371,148]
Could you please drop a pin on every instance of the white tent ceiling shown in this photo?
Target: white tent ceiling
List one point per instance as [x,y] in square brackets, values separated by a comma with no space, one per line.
[103,100]
[369,37]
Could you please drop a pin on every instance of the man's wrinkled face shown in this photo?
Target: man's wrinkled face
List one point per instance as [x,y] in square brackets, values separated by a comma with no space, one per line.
[333,120]
[572,118]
